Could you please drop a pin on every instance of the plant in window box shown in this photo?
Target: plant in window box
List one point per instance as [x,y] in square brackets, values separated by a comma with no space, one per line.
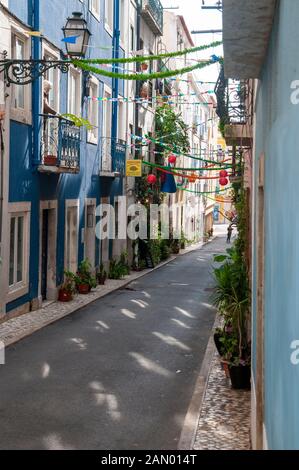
[101,275]
[68,288]
[50,160]
[85,281]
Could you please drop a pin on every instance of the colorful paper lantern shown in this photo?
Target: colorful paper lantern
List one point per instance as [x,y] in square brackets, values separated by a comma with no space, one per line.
[169,184]
[172,159]
[151,179]
[192,178]
[223,174]
[223,181]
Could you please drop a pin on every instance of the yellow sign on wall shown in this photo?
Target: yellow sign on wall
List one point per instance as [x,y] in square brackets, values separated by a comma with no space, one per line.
[134,168]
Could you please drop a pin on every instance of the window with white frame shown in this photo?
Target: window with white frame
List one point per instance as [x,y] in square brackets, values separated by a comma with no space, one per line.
[121,120]
[123,19]
[18,247]
[53,76]
[74,92]
[20,97]
[94,6]
[106,129]
[109,7]
[93,111]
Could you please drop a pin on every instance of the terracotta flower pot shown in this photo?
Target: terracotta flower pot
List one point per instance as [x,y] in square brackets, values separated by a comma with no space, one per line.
[65,296]
[225,367]
[50,160]
[84,289]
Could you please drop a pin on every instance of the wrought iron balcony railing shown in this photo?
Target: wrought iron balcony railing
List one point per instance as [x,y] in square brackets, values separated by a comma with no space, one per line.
[60,145]
[152,12]
[118,156]
[113,157]
[232,100]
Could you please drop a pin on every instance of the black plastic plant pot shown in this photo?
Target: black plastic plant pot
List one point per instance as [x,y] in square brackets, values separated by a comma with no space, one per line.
[218,344]
[240,377]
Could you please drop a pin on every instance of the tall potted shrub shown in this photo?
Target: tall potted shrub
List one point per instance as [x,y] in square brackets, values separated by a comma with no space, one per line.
[232,299]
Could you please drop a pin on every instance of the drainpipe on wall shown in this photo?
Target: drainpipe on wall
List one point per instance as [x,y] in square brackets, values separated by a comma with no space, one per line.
[115,81]
[36,86]
[115,92]
[138,27]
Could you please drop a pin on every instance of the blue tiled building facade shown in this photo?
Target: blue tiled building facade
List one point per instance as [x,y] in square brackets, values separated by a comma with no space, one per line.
[57,174]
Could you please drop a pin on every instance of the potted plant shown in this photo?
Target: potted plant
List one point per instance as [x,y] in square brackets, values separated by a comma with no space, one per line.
[124,264]
[50,160]
[101,275]
[68,288]
[183,241]
[85,281]
[232,299]
[175,246]
[115,271]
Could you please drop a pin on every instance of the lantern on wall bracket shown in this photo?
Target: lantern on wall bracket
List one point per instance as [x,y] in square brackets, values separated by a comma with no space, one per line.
[26,71]
[76,35]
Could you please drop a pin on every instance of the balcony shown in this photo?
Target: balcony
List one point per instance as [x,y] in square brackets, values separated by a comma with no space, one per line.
[119,157]
[60,145]
[234,108]
[113,158]
[152,12]
[247,27]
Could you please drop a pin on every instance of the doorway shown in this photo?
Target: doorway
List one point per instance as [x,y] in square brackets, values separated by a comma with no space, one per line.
[90,237]
[71,235]
[44,246]
[48,243]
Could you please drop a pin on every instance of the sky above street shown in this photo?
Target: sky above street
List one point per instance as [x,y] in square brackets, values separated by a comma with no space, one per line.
[198,19]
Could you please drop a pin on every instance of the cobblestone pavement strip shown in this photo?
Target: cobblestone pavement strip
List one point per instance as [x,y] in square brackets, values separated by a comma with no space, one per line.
[224,422]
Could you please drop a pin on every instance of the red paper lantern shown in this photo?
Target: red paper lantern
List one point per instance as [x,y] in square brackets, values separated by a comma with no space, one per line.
[151,179]
[223,174]
[172,159]
[192,178]
[223,181]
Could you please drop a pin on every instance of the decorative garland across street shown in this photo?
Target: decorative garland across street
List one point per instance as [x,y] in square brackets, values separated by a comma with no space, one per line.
[142,76]
[204,192]
[127,60]
[154,165]
[180,153]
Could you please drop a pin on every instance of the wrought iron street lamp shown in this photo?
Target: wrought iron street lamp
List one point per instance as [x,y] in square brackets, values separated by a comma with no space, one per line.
[24,72]
[76,35]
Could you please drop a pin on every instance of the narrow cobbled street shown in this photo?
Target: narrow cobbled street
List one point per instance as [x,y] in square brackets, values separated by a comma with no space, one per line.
[120,373]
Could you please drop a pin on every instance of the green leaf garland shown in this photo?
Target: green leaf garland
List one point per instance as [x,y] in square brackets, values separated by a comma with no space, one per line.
[141,76]
[127,60]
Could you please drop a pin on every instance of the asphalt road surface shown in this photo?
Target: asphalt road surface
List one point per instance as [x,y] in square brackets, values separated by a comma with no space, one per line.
[118,374]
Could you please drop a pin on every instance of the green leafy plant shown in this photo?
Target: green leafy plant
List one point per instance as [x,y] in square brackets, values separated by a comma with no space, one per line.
[78,121]
[164,250]
[231,296]
[84,275]
[124,263]
[155,251]
[101,274]
[69,284]
[119,269]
